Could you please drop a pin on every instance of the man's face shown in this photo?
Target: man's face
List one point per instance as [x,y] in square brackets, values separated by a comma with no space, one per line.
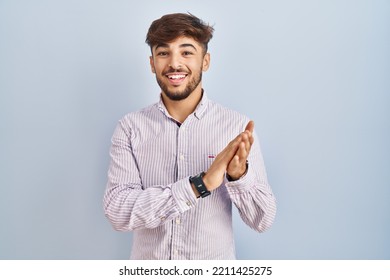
[178,66]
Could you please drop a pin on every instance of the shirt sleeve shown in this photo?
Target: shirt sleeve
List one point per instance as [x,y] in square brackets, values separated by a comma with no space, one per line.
[252,195]
[130,206]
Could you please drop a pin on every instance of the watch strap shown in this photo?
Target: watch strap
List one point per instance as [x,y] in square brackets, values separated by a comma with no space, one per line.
[200,186]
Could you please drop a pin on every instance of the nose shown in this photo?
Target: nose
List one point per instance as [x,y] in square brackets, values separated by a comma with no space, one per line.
[175,61]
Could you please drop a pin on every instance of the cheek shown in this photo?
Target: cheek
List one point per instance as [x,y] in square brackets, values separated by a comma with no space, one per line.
[196,66]
[158,66]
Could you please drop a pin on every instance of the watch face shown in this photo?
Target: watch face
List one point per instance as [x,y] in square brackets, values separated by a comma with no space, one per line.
[199,185]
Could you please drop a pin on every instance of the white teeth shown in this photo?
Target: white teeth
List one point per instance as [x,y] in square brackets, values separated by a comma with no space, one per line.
[175,77]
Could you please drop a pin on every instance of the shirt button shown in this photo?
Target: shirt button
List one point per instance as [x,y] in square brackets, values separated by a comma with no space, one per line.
[181,157]
[162,218]
[178,221]
[188,203]
[176,252]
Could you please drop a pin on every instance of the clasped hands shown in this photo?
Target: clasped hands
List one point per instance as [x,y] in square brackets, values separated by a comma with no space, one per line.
[231,160]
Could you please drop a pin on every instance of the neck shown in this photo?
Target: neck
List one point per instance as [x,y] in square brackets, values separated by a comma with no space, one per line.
[181,109]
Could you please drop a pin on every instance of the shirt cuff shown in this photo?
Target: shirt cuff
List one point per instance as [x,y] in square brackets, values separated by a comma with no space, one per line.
[183,194]
[242,185]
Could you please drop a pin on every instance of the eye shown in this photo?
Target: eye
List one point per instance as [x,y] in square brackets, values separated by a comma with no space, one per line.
[187,53]
[162,53]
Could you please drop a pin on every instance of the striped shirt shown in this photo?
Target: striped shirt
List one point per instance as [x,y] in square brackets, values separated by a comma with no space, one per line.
[148,190]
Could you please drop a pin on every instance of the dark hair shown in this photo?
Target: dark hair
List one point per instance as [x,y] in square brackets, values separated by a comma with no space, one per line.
[171,26]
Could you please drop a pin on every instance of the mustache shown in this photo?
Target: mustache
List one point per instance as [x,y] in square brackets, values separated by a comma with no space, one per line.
[172,70]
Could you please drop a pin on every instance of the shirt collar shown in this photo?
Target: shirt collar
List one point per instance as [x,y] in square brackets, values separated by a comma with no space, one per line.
[199,110]
[162,108]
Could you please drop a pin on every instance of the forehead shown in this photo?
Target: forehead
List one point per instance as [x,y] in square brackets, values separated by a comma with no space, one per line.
[180,42]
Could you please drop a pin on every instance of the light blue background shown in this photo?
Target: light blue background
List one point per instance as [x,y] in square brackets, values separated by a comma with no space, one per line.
[314,75]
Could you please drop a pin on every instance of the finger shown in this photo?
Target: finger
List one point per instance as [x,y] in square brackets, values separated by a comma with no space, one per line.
[233,164]
[251,139]
[242,152]
[233,146]
[250,126]
[250,136]
[230,150]
[237,165]
[249,130]
[246,141]
[235,161]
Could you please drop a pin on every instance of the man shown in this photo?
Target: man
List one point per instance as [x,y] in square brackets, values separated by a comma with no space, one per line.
[178,165]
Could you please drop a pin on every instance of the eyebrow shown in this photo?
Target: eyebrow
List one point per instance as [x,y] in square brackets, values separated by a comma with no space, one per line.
[164,45]
[187,45]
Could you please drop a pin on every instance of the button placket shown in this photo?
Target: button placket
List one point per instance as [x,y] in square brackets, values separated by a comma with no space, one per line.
[178,228]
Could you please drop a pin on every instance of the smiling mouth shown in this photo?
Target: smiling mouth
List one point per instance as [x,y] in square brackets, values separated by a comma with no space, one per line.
[176,76]
[176,79]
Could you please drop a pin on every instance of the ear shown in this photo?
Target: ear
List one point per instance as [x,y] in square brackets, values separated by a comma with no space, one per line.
[152,64]
[206,62]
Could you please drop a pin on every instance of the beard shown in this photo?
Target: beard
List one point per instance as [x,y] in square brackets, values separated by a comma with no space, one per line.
[177,95]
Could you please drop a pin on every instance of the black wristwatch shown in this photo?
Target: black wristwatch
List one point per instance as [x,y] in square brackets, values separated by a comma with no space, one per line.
[200,185]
